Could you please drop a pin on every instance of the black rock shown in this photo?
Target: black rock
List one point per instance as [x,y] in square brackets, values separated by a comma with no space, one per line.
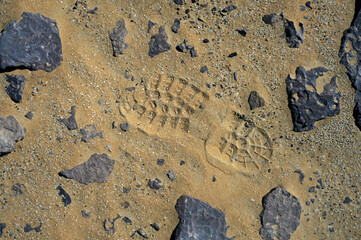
[158,43]
[243,32]
[293,37]
[31,43]
[28,228]
[229,8]
[232,55]
[29,115]
[281,214]
[142,233]
[16,87]
[65,198]
[271,18]
[357,109]
[10,132]
[117,37]
[2,227]
[176,25]
[90,132]
[255,100]
[155,226]
[308,4]
[204,69]
[160,161]
[70,122]
[127,220]
[347,200]
[155,184]
[93,11]
[85,214]
[124,126]
[178,2]
[181,48]
[150,25]
[17,188]
[97,169]
[193,52]
[306,104]
[206,40]
[198,220]
[171,175]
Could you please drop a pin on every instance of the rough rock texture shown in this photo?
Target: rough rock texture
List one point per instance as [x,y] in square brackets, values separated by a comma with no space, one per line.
[97,169]
[198,220]
[70,122]
[255,100]
[229,8]
[155,184]
[280,216]
[16,87]
[158,43]
[2,227]
[306,104]
[271,18]
[65,197]
[350,54]
[293,37]
[117,38]
[90,132]
[10,132]
[31,43]
[176,25]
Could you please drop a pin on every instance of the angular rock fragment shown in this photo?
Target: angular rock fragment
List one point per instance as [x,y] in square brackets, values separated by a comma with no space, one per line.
[158,43]
[271,18]
[10,132]
[171,175]
[97,169]
[178,2]
[70,122]
[293,37]
[16,87]
[350,54]
[306,104]
[65,198]
[281,214]
[255,100]
[28,228]
[155,226]
[32,43]
[117,37]
[243,32]
[150,25]
[155,184]
[17,188]
[90,132]
[176,25]
[229,8]
[29,115]
[2,227]
[142,233]
[204,69]
[198,220]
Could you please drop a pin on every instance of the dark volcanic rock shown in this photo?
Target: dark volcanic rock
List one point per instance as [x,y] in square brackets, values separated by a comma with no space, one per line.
[293,37]
[243,32]
[204,69]
[117,37]
[271,18]
[70,122]
[65,198]
[306,104]
[158,43]
[155,184]
[198,220]
[357,109]
[16,87]
[28,228]
[229,8]
[124,126]
[176,25]
[178,2]
[90,132]
[150,25]
[29,115]
[155,226]
[280,216]
[255,100]
[97,169]
[10,132]
[112,222]
[2,227]
[31,43]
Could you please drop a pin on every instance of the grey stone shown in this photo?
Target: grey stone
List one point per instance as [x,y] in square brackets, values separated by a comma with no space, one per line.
[32,43]
[16,87]
[306,104]
[85,214]
[255,100]
[29,115]
[28,228]
[117,37]
[281,214]
[158,43]
[70,122]
[150,25]
[178,2]
[155,184]
[229,8]
[97,169]
[272,18]
[293,37]
[198,220]
[176,25]
[2,227]
[17,188]
[204,69]
[90,132]
[171,175]
[357,109]
[65,197]
[155,226]
[142,233]
[10,132]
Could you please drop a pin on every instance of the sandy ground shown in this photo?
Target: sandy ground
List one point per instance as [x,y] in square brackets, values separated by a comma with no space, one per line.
[94,81]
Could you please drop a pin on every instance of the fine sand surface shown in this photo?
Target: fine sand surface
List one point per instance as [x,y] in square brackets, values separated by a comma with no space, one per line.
[108,91]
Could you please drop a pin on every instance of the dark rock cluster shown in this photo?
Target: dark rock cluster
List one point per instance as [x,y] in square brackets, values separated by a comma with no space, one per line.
[306,104]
